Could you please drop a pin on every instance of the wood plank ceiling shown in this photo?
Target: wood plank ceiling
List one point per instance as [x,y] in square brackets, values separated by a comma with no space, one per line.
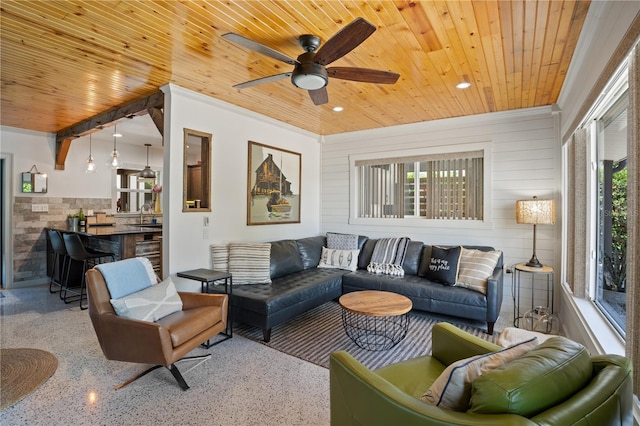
[65,61]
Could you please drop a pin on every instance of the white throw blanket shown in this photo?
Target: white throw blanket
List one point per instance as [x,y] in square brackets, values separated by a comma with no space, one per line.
[388,255]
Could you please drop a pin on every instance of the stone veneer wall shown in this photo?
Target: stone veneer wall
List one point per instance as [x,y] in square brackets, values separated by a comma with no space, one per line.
[29,238]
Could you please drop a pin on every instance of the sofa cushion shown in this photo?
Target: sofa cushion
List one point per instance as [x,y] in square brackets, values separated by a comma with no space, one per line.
[339,259]
[284,258]
[249,263]
[310,250]
[452,389]
[476,267]
[412,257]
[540,379]
[342,241]
[443,264]
[150,304]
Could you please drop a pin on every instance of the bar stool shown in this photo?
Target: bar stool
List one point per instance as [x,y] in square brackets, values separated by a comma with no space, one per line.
[78,252]
[60,253]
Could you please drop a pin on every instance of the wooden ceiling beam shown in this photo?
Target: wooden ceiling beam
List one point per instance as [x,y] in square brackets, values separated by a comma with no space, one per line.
[65,136]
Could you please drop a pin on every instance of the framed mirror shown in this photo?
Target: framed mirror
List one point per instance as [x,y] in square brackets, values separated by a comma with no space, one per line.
[34,182]
[196,192]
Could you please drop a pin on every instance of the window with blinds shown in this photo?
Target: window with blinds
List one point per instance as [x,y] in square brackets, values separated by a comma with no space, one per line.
[437,186]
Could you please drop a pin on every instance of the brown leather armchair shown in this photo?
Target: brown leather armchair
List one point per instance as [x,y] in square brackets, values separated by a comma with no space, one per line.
[163,342]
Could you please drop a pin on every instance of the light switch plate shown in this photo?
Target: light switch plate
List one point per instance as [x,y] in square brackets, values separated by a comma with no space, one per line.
[39,207]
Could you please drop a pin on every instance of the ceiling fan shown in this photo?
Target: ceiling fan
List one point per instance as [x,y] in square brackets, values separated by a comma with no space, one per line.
[309,70]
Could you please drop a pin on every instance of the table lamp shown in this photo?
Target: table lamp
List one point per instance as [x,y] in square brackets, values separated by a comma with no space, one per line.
[535,212]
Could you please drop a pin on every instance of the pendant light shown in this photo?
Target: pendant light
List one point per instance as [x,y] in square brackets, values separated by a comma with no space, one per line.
[147,173]
[114,155]
[91,165]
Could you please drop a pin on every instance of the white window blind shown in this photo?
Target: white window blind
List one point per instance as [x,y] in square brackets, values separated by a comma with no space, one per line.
[436,186]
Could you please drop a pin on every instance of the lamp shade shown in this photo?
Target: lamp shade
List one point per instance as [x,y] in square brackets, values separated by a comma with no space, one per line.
[536,212]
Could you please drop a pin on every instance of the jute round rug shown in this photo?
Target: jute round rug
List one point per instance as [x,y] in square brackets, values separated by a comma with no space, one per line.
[22,371]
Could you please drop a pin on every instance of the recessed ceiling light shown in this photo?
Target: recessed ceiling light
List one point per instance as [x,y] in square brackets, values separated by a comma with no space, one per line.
[338,108]
[463,85]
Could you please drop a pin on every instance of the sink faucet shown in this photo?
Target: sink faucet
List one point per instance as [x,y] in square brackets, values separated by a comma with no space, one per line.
[144,206]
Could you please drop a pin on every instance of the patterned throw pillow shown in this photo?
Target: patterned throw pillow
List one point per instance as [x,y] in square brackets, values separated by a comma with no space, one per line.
[443,265]
[249,263]
[452,389]
[339,259]
[150,304]
[342,241]
[220,257]
[476,266]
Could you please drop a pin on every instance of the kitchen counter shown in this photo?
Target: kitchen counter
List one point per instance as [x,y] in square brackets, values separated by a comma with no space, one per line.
[125,241]
[91,231]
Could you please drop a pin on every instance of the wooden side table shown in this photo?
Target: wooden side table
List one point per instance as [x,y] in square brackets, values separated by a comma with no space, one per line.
[533,271]
[375,320]
[207,278]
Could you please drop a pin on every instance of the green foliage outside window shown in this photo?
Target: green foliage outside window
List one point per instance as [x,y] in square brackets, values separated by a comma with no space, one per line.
[616,263]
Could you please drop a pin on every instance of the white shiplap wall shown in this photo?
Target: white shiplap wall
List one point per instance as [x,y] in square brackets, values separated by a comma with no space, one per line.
[525,161]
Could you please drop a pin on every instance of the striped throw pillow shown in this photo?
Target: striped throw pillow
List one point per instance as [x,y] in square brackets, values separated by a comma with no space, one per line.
[220,257]
[249,263]
[476,266]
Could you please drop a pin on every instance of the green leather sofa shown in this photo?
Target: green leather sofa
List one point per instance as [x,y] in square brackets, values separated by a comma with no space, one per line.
[391,395]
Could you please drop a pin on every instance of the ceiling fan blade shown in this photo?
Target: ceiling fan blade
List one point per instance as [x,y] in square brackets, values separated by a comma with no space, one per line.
[319,96]
[344,41]
[363,74]
[262,80]
[257,47]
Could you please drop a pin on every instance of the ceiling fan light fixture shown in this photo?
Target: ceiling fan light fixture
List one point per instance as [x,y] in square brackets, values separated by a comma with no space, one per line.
[309,76]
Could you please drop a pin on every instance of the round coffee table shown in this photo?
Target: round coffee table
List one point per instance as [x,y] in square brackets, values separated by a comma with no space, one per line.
[375,320]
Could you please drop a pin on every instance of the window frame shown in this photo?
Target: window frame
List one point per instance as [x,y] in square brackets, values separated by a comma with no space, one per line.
[412,221]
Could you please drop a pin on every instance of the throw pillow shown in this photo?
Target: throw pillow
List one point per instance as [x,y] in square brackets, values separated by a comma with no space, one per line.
[339,259]
[342,241]
[443,265]
[249,263]
[149,304]
[220,257]
[540,379]
[512,335]
[452,389]
[476,266]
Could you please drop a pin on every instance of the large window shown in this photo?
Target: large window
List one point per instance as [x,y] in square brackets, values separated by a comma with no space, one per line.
[611,141]
[446,186]
[133,193]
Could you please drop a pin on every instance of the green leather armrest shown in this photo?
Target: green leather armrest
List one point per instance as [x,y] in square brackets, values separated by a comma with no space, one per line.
[450,344]
[361,397]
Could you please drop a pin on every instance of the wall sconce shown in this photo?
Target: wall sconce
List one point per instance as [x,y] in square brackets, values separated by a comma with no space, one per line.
[91,165]
[535,212]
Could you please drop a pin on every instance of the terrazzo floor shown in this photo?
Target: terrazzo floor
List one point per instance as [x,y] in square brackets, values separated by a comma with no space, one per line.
[244,382]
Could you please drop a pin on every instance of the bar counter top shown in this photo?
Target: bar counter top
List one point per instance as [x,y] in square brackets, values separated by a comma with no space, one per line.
[92,231]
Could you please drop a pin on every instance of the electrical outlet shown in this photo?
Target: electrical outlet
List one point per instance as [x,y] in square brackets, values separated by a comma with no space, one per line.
[205,234]
[205,221]
[39,207]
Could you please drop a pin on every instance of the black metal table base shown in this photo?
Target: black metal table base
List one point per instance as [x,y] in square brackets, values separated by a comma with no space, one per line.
[375,333]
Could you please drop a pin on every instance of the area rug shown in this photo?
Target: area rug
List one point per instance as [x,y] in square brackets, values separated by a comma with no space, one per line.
[22,371]
[314,335]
